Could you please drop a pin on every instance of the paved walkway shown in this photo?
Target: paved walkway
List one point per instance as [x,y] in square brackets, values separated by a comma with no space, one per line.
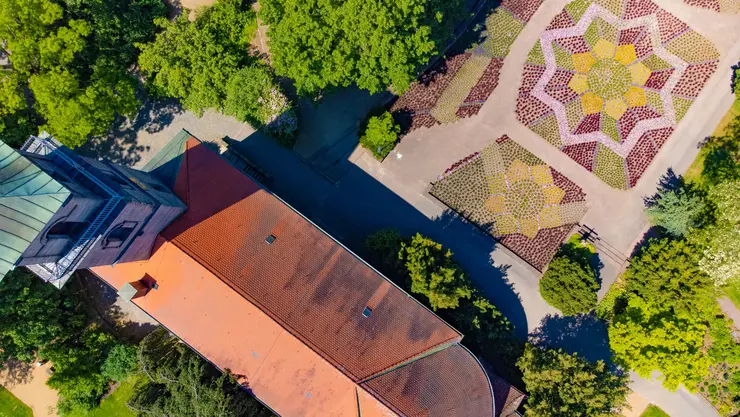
[29,385]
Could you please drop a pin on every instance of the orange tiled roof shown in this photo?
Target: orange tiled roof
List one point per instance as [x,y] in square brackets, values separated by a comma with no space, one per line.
[303,295]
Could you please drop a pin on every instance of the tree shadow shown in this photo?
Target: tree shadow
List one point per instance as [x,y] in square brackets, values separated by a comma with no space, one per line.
[584,334]
[15,372]
[654,232]
[120,145]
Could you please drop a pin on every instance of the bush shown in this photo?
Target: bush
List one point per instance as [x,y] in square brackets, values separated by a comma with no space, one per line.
[569,286]
[380,135]
[120,363]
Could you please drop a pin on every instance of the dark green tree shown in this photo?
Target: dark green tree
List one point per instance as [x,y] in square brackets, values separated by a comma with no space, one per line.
[563,385]
[121,362]
[722,162]
[180,383]
[569,286]
[433,273]
[78,360]
[34,314]
[375,44]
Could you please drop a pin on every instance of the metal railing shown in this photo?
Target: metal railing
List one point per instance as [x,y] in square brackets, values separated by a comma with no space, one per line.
[73,257]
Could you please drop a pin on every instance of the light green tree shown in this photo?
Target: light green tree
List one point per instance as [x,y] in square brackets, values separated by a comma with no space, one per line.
[646,337]
[662,316]
[563,385]
[323,44]
[70,64]
[380,135]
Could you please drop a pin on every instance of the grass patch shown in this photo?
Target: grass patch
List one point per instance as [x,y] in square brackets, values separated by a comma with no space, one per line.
[115,404]
[10,406]
[654,411]
[694,172]
[732,291]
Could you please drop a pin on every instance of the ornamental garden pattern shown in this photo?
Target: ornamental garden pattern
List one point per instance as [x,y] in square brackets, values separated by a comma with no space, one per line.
[514,196]
[608,81]
[458,86]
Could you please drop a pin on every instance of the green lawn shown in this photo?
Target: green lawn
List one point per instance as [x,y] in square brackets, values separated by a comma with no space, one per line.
[732,291]
[115,404]
[11,406]
[653,411]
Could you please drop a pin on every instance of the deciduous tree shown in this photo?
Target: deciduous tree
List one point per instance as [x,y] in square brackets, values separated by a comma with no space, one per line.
[375,44]
[663,314]
[34,314]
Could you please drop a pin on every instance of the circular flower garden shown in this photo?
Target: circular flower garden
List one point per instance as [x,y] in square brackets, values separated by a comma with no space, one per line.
[524,203]
[608,81]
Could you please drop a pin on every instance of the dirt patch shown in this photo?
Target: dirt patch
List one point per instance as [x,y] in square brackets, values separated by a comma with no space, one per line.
[28,383]
[637,404]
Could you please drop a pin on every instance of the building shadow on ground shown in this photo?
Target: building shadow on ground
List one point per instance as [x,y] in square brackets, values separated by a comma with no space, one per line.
[103,304]
[359,205]
[583,334]
[120,145]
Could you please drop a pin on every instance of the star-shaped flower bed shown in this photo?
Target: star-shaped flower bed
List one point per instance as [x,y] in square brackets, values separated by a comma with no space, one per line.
[514,196]
[609,80]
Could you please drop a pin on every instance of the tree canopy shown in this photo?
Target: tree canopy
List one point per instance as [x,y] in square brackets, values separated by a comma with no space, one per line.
[563,385]
[208,65]
[663,314]
[180,383]
[380,135]
[677,209]
[40,321]
[433,273]
[34,314]
[323,44]
[73,59]
[569,283]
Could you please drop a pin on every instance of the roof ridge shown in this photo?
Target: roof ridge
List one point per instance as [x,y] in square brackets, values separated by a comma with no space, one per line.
[411,360]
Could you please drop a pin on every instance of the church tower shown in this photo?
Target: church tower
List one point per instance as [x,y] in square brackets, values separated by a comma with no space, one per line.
[60,211]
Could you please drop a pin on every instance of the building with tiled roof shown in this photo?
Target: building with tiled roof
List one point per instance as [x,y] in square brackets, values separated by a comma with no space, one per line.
[304,324]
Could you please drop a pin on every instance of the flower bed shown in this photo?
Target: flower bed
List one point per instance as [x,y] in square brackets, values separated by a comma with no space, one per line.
[507,191]
[459,86]
[608,81]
